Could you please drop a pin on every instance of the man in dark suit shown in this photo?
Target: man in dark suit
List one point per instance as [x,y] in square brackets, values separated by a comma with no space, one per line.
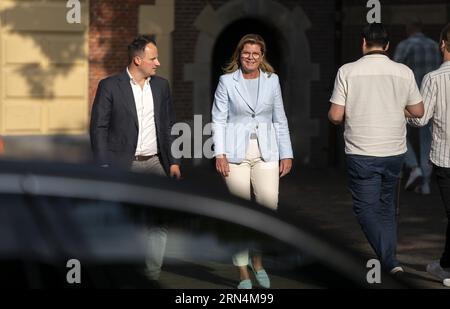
[131,121]
[132,114]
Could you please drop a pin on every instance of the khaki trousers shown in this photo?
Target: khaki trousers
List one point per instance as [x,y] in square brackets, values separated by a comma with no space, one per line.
[156,235]
[254,173]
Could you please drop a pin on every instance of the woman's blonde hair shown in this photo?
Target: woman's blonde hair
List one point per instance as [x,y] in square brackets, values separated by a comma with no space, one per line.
[235,62]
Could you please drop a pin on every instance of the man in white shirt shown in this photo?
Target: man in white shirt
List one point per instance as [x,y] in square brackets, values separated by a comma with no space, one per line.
[436,97]
[371,96]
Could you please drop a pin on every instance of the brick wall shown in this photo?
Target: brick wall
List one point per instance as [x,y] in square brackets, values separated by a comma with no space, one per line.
[113,24]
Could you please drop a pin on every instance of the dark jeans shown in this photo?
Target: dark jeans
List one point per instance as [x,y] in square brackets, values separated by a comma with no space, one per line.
[372,183]
[443,178]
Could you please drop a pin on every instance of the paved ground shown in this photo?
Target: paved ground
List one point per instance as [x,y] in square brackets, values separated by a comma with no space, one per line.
[321,196]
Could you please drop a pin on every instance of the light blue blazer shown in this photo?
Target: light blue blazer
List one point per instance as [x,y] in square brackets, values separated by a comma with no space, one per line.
[234,118]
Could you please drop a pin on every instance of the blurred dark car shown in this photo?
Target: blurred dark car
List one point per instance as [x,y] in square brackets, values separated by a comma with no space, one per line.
[53,214]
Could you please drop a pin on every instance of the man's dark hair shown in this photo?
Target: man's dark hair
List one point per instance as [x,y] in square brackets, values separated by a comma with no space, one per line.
[138,46]
[445,36]
[375,35]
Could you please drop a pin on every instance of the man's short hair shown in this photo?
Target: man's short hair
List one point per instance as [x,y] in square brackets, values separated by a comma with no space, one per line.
[138,45]
[375,35]
[445,36]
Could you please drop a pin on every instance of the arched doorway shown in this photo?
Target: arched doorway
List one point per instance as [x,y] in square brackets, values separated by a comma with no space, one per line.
[229,38]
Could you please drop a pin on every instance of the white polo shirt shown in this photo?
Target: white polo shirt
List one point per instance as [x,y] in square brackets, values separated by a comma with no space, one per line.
[375,91]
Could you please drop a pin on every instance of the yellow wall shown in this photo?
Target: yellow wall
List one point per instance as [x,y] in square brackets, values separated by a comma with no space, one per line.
[43,68]
[159,20]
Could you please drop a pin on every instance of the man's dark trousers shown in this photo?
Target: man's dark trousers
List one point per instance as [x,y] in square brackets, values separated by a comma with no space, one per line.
[443,178]
[372,183]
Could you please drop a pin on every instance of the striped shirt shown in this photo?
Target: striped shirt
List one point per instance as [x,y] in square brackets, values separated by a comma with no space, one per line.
[436,98]
[420,54]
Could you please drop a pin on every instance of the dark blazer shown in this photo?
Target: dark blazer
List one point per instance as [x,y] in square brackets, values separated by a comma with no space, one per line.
[114,123]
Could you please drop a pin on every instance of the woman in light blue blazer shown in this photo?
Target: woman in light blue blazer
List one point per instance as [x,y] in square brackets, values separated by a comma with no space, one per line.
[252,145]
